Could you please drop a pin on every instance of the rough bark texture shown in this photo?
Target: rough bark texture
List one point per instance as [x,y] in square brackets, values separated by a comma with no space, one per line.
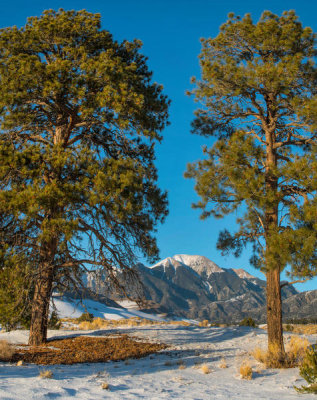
[273,287]
[274,311]
[42,295]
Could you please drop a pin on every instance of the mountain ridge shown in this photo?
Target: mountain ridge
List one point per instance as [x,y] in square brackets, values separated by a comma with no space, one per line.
[193,286]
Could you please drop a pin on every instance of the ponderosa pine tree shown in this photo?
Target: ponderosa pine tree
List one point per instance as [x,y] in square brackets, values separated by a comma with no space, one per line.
[259,97]
[79,119]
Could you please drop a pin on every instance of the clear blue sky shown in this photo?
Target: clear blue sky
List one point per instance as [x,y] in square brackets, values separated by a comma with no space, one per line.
[170,31]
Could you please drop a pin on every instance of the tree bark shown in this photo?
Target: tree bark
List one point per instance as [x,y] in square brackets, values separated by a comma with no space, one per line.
[273,268]
[42,295]
[274,312]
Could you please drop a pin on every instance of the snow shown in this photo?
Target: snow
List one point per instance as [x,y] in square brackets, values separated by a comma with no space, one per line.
[158,376]
[69,308]
[243,274]
[198,263]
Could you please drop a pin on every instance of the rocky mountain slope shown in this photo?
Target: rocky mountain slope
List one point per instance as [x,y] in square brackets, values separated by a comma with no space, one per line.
[195,287]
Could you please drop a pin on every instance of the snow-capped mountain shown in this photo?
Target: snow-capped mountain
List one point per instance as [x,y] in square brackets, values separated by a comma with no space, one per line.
[192,286]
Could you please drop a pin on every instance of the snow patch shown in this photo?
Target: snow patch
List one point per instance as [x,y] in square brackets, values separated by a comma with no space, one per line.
[70,308]
[243,274]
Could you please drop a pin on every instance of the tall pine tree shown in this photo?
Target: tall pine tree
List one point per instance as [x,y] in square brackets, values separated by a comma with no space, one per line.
[79,119]
[258,95]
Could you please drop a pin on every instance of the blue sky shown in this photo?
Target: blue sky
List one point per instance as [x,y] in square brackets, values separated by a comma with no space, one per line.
[170,31]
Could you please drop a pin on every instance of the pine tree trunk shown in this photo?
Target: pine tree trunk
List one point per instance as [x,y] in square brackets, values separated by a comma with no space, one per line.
[42,295]
[274,312]
[273,287]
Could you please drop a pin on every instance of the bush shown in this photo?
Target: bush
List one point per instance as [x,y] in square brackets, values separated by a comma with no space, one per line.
[205,369]
[289,327]
[6,350]
[85,317]
[54,322]
[46,374]
[246,371]
[16,292]
[308,371]
[204,323]
[248,322]
[272,358]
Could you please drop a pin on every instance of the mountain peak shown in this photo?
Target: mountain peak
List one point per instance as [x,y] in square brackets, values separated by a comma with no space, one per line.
[242,273]
[200,264]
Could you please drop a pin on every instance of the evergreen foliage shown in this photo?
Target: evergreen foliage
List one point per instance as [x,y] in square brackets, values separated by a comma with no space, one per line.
[16,277]
[79,120]
[54,322]
[248,322]
[85,317]
[258,91]
[308,371]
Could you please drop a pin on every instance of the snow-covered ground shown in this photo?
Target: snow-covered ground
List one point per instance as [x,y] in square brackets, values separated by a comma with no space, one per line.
[159,376]
[70,308]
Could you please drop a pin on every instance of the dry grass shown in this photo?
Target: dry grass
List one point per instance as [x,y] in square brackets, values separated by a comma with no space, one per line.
[6,350]
[205,369]
[105,386]
[204,323]
[46,374]
[223,363]
[182,366]
[302,329]
[100,323]
[245,371]
[272,358]
[84,349]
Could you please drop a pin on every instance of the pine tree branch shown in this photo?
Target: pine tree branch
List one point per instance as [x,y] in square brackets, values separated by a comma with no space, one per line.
[296,281]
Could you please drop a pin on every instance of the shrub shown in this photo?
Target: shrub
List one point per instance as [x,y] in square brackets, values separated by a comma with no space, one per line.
[105,386]
[46,374]
[204,323]
[6,350]
[248,322]
[85,317]
[223,363]
[308,371]
[54,322]
[205,369]
[296,350]
[246,371]
[288,328]
[272,358]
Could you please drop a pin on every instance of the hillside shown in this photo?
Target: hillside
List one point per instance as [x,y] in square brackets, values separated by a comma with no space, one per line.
[195,287]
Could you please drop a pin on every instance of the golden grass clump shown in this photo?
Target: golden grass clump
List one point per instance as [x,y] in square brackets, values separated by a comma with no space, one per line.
[205,369]
[204,323]
[182,323]
[223,363]
[46,374]
[245,371]
[182,366]
[272,358]
[260,355]
[105,386]
[296,349]
[6,350]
